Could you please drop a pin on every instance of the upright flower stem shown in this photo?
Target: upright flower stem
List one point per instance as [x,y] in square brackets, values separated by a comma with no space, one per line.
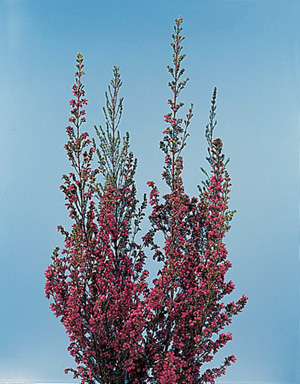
[98,281]
[186,297]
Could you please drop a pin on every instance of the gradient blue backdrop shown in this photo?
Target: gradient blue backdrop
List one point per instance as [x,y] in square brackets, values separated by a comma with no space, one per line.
[250,51]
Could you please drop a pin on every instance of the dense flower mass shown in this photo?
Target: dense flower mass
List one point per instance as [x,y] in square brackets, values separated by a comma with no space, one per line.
[187,295]
[121,331]
[97,283]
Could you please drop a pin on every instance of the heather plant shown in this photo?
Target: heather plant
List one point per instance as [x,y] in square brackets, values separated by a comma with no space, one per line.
[97,281]
[121,331]
[189,314]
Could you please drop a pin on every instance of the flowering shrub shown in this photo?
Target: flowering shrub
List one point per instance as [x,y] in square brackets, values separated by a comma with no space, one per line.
[120,330]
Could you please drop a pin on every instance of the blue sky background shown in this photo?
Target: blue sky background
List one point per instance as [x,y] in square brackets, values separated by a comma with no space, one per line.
[250,50]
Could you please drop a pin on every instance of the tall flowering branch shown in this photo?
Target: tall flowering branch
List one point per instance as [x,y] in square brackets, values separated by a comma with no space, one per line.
[98,281]
[187,296]
[64,277]
[172,144]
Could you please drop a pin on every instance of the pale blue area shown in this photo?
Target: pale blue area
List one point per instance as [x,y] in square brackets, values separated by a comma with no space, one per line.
[250,51]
